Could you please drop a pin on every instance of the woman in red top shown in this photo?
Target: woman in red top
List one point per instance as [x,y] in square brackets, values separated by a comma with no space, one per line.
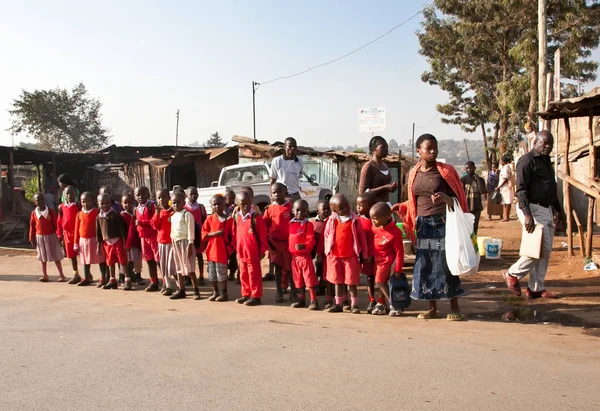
[65,228]
[86,243]
[216,236]
[42,235]
[432,186]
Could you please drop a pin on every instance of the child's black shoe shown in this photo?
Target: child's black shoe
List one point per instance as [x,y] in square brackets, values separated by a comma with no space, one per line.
[252,302]
[314,306]
[178,295]
[336,308]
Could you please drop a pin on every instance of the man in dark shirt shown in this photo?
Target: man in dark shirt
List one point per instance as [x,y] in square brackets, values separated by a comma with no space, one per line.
[475,188]
[538,204]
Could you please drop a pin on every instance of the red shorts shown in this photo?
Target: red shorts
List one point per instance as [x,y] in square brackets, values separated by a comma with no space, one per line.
[368,269]
[343,270]
[303,271]
[383,269]
[281,255]
[115,253]
[69,240]
[150,249]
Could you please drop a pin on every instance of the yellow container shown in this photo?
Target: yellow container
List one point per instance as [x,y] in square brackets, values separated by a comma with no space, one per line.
[480,241]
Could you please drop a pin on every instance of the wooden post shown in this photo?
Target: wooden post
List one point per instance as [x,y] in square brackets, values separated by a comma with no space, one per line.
[39,177]
[11,180]
[54,176]
[592,175]
[581,236]
[567,189]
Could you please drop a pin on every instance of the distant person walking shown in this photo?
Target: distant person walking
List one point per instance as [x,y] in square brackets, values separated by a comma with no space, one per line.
[474,190]
[493,178]
[287,169]
[538,204]
[505,186]
[65,180]
[375,176]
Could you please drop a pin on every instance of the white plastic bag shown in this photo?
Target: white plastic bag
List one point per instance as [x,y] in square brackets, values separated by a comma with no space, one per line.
[461,256]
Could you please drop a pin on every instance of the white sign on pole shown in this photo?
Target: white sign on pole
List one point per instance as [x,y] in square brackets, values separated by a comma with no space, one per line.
[371,119]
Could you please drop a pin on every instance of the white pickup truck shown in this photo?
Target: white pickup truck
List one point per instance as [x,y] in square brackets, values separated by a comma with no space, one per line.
[256,175]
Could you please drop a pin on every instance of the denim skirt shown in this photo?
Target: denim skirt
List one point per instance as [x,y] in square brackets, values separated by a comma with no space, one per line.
[432,279]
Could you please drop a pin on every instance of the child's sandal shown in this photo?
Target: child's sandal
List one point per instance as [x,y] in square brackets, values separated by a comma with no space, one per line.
[44,279]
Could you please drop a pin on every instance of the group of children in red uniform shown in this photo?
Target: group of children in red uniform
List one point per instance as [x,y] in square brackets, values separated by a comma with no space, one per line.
[325,255]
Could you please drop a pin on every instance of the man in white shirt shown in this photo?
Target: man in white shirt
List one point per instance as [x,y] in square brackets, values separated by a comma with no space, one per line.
[287,169]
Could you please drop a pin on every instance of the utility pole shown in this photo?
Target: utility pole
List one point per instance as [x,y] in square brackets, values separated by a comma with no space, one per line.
[254,88]
[467,149]
[413,143]
[177,130]
[542,55]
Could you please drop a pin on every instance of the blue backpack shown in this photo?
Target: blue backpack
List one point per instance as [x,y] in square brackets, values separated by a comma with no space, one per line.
[399,292]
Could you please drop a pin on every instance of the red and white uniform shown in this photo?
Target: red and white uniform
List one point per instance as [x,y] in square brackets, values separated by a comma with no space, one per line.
[147,234]
[250,246]
[303,269]
[85,237]
[65,227]
[366,268]
[388,251]
[344,242]
[218,249]
[277,219]
[199,213]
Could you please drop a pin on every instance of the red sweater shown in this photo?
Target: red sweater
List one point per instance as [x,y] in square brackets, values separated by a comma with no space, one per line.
[389,245]
[218,248]
[247,247]
[319,226]
[67,214]
[133,238]
[85,224]
[367,225]
[343,247]
[161,223]
[143,216]
[42,226]
[199,213]
[277,218]
[301,232]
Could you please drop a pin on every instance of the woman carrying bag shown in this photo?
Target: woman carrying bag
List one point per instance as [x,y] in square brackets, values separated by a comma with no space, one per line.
[432,186]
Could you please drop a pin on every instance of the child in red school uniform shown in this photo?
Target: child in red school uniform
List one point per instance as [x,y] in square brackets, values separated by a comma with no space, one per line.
[133,245]
[182,236]
[277,218]
[42,235]
[143,220]
[217,234]
[86,240]
[250,238]
[161,222]
[389,255]
[301,244]
[344,246]
[364,202]
[65,228]
[232,261]
[199,213]
[111,233]
[323,213]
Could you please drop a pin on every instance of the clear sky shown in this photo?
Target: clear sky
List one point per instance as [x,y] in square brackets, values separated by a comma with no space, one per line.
[146,59]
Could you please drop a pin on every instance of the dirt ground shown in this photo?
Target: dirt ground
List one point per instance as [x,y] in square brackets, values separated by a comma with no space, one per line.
[487,299]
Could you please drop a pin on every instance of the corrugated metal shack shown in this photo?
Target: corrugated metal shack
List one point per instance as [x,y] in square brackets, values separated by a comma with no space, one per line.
[159,167]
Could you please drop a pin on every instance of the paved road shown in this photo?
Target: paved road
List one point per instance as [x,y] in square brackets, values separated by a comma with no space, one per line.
[66,348]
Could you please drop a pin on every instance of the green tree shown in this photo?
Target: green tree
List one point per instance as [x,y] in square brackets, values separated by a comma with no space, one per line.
[215,140]
[484,54]
[59,119]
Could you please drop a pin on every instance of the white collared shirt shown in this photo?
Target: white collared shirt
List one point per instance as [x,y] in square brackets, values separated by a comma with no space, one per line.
[39,213]
[288,172]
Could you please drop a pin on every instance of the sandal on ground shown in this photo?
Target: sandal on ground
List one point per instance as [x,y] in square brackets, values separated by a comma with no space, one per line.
[44,279]
[62,279]
[455,317]
[427,316]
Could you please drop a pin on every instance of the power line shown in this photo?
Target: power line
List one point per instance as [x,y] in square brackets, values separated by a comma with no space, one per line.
[350,53]
[432,120]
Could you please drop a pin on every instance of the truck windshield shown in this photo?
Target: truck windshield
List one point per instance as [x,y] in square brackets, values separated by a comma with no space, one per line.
[245,176]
